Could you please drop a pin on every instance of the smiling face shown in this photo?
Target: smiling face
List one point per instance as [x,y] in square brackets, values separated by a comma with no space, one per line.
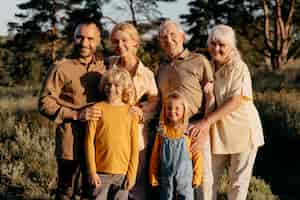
[86,38]
[219,50]
[171,40]
[175,111]
[123,44]
[113,90]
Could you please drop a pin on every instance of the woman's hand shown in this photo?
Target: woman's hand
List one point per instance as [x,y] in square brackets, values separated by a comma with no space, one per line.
[138,112]
[199,132]
[94,180]
[89,113]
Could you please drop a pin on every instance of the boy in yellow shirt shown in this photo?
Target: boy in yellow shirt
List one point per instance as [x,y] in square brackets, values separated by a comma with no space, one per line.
[111,143]
[172,165]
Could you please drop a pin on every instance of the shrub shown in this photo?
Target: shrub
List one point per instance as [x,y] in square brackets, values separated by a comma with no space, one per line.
[27,153]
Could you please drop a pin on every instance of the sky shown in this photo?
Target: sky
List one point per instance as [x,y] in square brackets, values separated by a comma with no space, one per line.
[170,10]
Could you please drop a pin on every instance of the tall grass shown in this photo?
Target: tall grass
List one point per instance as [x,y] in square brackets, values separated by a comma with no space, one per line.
[27,154]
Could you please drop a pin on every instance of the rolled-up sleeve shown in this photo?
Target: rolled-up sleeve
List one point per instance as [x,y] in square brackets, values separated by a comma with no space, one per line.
[49,97]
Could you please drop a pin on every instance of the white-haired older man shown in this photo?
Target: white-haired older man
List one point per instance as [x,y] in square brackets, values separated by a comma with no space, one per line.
[189,74]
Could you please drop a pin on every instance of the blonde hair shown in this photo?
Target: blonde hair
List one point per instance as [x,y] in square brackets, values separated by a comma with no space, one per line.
[163,115]
[122,77]
[128,28]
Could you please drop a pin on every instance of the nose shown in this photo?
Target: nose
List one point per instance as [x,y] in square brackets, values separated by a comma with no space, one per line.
[168,38]
[84,42]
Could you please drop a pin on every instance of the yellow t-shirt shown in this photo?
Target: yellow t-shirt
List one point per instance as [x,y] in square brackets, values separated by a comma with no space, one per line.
[111,143]
[197,158]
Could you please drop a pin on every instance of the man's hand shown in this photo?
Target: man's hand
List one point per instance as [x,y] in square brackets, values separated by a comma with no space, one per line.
[94,180]
[89,113]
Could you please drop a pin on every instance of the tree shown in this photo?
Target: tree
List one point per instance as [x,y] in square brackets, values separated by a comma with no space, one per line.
[247,18]
[279,31]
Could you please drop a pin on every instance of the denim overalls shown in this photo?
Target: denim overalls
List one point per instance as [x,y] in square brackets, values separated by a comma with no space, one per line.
[176,169]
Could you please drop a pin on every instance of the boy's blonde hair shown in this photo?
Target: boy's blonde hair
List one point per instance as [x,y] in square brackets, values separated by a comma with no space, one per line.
[129,29]
[123,78]
[170,97]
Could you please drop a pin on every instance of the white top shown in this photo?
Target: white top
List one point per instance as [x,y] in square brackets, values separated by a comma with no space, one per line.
[240,130]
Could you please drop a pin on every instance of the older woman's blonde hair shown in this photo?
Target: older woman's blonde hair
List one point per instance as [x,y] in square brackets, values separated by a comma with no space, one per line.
[123,78]
[129,29]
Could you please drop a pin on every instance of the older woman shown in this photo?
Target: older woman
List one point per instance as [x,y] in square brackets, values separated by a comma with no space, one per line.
[236,127]
[125,41]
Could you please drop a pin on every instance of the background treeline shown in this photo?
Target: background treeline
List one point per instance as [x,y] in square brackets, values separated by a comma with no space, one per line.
[268,33]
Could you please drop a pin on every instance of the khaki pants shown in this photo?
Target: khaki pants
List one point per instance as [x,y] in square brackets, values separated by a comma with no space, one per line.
[112,187]
[240,171]
[207,182]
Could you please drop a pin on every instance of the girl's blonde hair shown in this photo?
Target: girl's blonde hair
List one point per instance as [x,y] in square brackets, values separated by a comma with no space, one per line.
[163,114]
[128,28]
[123,78]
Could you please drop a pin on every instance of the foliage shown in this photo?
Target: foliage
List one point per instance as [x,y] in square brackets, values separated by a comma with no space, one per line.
[246,17]
[27,154]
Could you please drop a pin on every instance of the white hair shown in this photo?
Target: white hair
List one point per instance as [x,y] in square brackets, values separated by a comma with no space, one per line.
[222,33]
[170,22]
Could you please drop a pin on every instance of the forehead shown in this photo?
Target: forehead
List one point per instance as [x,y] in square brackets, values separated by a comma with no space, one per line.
[169,28]
[175,102]
[120,34]
[87,29]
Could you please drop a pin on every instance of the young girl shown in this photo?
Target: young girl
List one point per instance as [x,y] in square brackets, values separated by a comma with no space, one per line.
[171,159]
[111,143]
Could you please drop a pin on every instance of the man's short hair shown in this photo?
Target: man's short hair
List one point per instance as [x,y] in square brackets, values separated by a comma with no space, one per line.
[88,21]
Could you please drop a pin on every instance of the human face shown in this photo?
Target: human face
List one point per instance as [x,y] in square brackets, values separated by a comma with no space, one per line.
[171,40]
[87,38]
[219,51]
[123,44]
[113,91]
[175,111]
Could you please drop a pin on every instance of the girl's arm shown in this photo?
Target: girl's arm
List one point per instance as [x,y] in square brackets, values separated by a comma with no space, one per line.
[197,158]
[154,162]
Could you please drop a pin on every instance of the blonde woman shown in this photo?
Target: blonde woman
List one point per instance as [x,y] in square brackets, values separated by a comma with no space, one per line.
[236,128]
[125,41]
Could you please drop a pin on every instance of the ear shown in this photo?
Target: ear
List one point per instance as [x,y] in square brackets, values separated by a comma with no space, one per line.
[183,37]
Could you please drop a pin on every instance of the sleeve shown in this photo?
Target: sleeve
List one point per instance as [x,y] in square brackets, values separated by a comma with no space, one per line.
[48,100]
[152,87]
[207,75]
[240,82]
[89,147]
[134,158]
[197,159]
[154,162]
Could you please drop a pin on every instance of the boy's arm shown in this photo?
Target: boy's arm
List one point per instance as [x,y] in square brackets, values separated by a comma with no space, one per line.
[134,158]
[154,162]
[197,159]
[90,147]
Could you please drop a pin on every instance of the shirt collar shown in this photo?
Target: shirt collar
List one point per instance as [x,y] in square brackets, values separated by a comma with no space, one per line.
[139,69]
[82,62]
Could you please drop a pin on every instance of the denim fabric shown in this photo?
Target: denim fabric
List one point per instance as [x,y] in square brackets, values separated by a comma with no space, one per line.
[176,170]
